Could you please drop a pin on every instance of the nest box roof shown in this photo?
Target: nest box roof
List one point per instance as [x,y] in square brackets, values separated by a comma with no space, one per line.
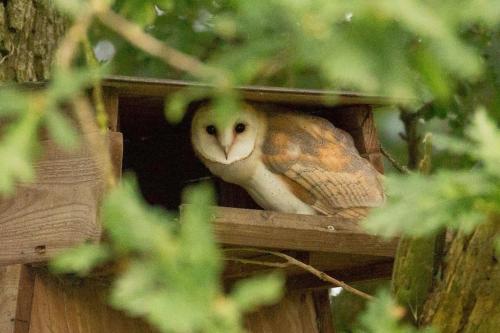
[150,87]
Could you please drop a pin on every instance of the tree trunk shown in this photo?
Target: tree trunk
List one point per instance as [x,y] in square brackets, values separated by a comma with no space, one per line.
[467,297]
[29,33]
[412,274]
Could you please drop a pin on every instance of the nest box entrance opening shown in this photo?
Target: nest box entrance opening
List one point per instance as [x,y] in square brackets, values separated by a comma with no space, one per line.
[160,153]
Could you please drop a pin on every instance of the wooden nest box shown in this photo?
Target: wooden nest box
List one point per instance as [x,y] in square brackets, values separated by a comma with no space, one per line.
[60,209]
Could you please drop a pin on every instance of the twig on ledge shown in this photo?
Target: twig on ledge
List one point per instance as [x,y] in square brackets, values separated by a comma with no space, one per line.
[401,168]
[292,261]
[258,262]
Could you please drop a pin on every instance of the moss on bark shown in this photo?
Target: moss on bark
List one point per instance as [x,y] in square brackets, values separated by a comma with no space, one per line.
[467,297]
[29,33]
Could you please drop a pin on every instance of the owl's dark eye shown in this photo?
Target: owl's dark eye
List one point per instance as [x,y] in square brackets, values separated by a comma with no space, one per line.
[240,128]
[211,129]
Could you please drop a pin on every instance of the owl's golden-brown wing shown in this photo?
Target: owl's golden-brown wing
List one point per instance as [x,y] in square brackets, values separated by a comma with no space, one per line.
[321,165]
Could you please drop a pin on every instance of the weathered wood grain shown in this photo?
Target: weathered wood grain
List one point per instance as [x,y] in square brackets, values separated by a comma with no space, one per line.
[138,86]
[59,209]
[295,313]
[60,306]
[9,288]
[267,229]
[111,102]
[16,293]
[324,317]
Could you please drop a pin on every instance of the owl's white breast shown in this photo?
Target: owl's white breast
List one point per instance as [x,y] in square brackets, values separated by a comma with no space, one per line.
[270,192]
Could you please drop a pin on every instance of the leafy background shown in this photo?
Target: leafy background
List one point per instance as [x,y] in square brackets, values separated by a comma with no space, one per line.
[442,52]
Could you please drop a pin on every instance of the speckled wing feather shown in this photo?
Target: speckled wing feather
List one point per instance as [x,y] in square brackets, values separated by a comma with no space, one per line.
[321,165]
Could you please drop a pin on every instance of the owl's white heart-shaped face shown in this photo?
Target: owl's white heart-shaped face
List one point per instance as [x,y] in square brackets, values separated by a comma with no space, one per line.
[227,140]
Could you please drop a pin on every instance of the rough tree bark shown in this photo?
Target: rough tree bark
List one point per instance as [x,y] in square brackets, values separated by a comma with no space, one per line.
[29,33]
[467,297]
[454,291]
[415,263]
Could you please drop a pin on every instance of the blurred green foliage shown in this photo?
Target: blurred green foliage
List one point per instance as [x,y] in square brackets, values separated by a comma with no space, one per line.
[423,205]
[24,112]
[172,273]
[383,316]
[347,307]
[445,51]
[400,48]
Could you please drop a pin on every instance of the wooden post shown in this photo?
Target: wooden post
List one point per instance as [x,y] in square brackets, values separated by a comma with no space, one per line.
[77,306]
[359,122]
[16,293]
[111,100]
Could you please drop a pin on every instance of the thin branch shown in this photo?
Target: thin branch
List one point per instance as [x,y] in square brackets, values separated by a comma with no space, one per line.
[69,44]
[137,37]
[398,166]
[86,119]
[425,164]
[258,262]
[319,274]
[97,93]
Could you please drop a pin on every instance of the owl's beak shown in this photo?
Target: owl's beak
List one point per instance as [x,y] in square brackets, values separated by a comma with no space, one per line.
[226,143]
[226,150]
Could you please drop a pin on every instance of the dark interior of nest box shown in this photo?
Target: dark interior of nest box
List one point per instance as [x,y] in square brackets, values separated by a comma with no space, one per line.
[160,153]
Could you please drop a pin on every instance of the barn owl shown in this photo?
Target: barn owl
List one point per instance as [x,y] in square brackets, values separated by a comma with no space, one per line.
[288,162]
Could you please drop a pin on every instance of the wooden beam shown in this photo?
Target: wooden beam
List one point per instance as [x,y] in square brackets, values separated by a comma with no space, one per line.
[58,210]
[267,229]
[63,305]
[324,316]
[111,101]
[138,86]
[16,294]
[295,313]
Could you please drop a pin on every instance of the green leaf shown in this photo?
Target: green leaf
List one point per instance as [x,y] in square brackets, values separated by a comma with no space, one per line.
[18,150]
[383,315]
[487,136]
[141,12]
[65,84]
[132,224]
[257,291]
[72,7]
[81,259]
[176,105]
[12,102]
[61,129]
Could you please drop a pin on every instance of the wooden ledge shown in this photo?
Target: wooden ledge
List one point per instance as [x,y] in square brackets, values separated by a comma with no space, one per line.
[273,230]
[27,238]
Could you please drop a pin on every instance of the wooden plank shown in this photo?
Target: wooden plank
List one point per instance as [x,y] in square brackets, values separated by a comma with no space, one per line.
[376,159]
[359,122]
[324,316]
[16,292]
[111,101]
[9,288]
[267,229]
[59,209]
[138,86]
[24,300]
[295,313]
[65,306]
